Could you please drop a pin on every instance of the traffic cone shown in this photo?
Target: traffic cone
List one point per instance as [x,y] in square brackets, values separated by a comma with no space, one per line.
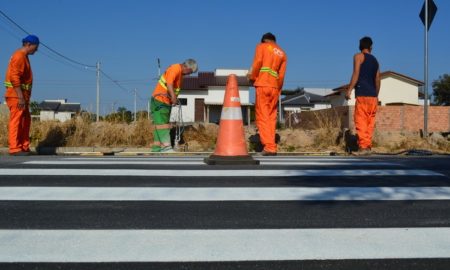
[231,148]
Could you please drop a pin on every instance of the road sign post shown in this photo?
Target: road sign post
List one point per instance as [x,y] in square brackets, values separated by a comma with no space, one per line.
[427,14]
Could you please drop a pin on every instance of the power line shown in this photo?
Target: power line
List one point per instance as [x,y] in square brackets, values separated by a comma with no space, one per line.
[45,45]
[121,86]
[70,60]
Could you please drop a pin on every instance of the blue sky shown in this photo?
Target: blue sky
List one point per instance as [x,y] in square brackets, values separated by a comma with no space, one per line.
[320,38]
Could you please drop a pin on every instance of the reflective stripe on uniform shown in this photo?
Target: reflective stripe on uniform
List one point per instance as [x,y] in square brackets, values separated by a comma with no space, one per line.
[162,81]
[270,71]
[23,86]
[164,126]
[231,113]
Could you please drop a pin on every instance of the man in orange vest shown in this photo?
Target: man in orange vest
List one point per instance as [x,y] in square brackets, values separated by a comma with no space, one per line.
[163,98]
[366,82]
[18,83]
[267,72]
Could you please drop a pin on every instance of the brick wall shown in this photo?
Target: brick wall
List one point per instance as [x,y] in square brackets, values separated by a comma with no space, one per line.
[389,118]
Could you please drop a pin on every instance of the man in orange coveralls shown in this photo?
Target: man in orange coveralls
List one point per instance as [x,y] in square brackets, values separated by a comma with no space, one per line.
[163,98]
[267,72]
[18,83]
[366,82]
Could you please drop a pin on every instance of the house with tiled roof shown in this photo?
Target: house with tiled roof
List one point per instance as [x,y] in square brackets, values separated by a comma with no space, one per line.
[60,110]
[202,96]
[396,89]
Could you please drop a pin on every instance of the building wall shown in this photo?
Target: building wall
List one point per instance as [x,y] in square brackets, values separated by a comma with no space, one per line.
[217,93]
[392,90]
[47,115]
[397,91]
[388,118]
[187,111]
[410,118]
[63,116]
[214,95]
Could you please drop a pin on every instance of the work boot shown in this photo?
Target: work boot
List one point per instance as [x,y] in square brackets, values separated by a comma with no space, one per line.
[156,148]
[20,154]
[363,152]
[264,153]
[167,149]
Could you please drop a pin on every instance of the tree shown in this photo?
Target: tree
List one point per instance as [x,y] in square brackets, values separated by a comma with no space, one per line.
[441,90]
[34,107]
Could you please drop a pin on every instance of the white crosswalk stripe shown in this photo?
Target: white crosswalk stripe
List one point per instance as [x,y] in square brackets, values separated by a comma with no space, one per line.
[130,209]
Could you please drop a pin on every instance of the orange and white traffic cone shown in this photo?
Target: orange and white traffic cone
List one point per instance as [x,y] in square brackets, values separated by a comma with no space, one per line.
[231,147]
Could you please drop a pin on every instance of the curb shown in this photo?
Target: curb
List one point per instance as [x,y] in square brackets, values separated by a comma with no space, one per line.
[124,152]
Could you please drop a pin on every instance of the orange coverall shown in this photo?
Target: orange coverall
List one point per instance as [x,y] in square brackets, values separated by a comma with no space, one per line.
[365,111]
[18,74]
[160,113]
[173,76]
[268,70]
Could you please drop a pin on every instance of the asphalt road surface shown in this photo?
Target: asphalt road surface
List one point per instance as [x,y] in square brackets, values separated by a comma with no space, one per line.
[176,212]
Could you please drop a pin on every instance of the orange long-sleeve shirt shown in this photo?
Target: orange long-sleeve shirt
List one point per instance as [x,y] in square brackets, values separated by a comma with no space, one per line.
[269,65]
[173,76]
[19,74]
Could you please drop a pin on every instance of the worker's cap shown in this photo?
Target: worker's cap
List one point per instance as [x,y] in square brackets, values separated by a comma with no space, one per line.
[32,39]
[268,36]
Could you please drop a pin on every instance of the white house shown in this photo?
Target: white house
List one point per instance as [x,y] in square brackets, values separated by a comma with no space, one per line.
[202,96]
[395,88]
[309,99]
[58,110]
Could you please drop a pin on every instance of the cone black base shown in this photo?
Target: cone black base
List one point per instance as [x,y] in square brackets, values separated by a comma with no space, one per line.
[230,160]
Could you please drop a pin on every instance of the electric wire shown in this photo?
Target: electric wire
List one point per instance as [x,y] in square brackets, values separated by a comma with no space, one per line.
[70,62]
[45,45]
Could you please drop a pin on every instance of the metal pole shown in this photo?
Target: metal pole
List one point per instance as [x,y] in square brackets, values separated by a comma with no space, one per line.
[159,68]
[148,110]
[425,88]
[98,91]
[135,92]
[279,109]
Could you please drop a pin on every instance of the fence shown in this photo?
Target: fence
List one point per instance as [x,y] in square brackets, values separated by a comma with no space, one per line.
[388,118]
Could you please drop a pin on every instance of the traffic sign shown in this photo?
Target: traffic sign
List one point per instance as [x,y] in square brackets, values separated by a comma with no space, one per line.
[432,9]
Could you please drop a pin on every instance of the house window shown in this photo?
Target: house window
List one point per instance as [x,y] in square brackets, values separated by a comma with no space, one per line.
[183,101]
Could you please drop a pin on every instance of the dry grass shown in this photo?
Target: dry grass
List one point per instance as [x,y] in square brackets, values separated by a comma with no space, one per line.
[200,137]
[327,136]
[83,132]
[329,130]
[4,130]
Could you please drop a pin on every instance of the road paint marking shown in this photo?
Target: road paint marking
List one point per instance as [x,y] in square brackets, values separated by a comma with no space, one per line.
[200,162]
[222,245]
[213,173]
[223,194]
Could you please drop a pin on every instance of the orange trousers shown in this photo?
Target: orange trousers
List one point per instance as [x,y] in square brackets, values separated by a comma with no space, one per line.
[365,110]
[18,126]
[266,116]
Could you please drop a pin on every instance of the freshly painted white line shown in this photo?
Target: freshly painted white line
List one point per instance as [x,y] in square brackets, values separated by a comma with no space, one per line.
[213,173]
[279,158]
[339,163]
[26,246]
[114,162]
[199,162]
[222,194]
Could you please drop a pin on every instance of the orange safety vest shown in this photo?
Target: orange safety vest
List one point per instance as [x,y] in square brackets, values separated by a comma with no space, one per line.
[172,76]
[269,65]
[19,74]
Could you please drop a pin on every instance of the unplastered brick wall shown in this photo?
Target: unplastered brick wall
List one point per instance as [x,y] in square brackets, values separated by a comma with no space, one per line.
[388,118]
[410,118]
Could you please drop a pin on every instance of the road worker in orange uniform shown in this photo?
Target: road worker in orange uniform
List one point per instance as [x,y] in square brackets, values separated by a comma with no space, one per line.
[366,82]
[163,98]
[18,83]
[267,72]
